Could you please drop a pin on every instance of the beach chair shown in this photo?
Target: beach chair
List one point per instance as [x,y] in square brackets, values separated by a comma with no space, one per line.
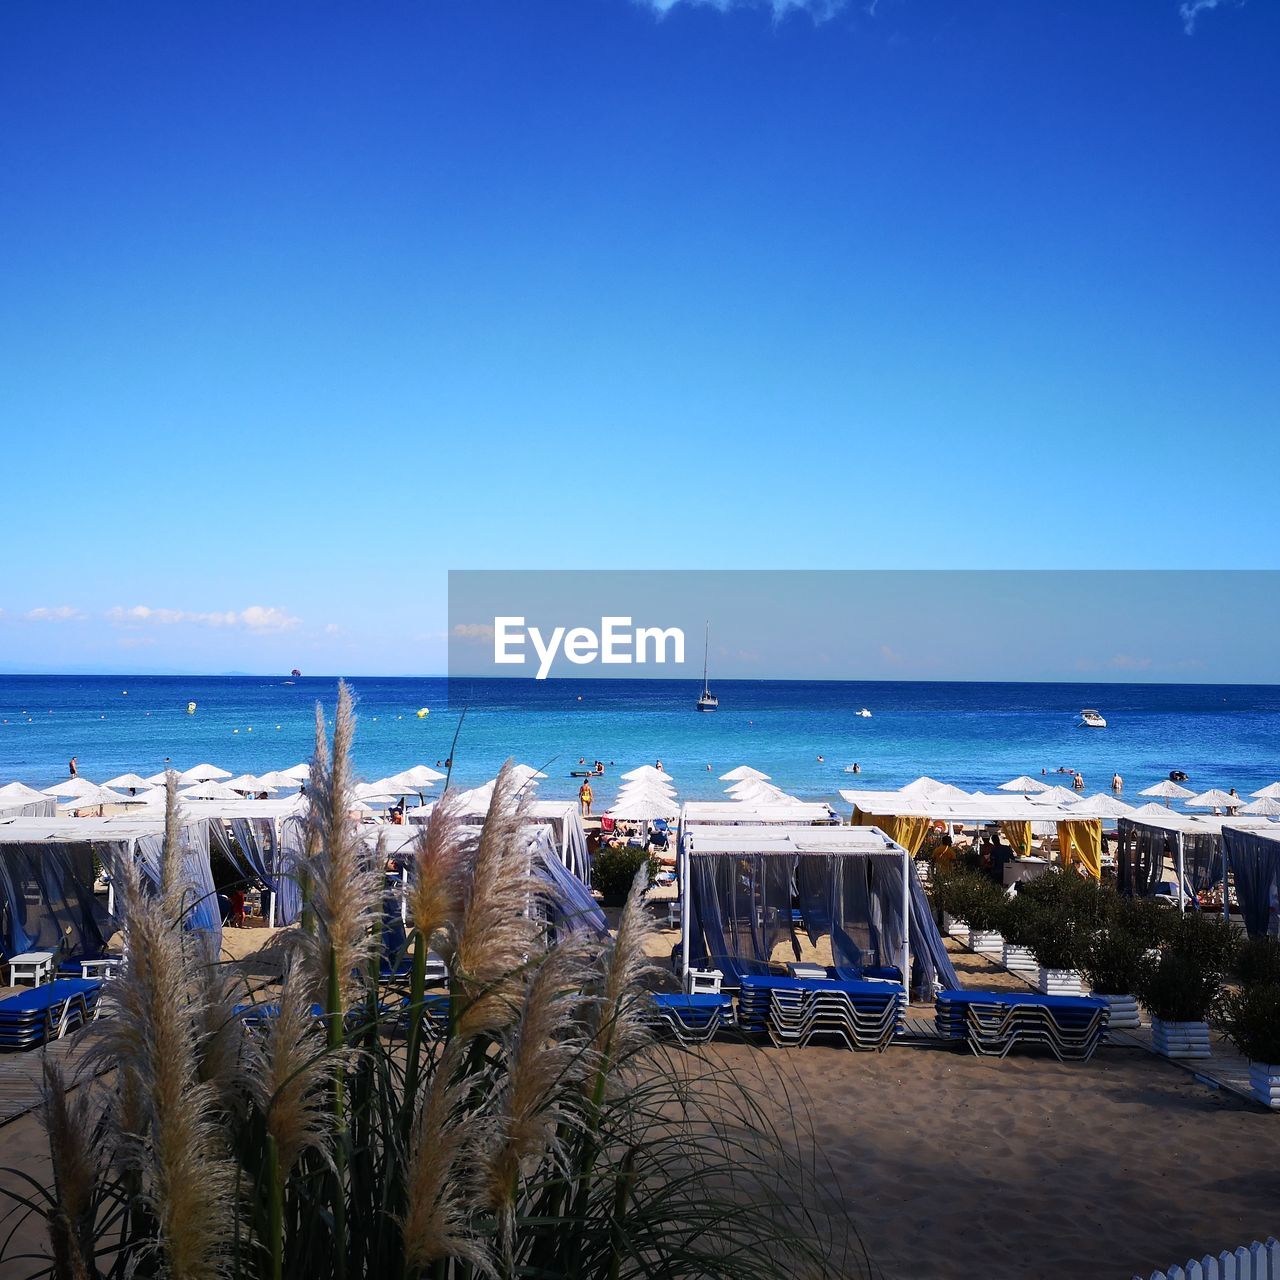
[794,1012]
[691,1019]
[993,1023]
[48,1012]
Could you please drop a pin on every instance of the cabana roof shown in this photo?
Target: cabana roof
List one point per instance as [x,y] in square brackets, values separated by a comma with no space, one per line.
[1205,824]
[781,841]
[1270,833]
[64,830]
[731,813]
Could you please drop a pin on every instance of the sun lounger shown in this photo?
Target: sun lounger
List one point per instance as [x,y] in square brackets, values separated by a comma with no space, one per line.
[692,1019]
[48,1012]
[992,1023]
[863,1015]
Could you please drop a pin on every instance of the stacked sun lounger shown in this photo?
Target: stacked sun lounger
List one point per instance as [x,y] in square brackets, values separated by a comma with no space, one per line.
[795,1011]
[694,1018]
[994,1022]
[47,1012]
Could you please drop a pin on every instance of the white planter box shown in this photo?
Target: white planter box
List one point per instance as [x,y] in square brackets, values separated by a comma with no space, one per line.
[955,928]
[1124,1012]
[986,942]
[1060,982]
[1020,959]
[1180,1039]
[1264,1081]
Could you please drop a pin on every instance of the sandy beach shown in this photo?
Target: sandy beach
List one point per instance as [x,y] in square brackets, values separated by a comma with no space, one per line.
[957,1166]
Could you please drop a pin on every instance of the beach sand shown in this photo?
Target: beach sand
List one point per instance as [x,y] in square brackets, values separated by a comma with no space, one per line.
[953,1165]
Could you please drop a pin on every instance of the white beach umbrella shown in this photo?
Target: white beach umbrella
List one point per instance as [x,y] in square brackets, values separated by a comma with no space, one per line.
[73,788]
[1024,784]
[383,789]
[753,789]
[91,796]
[1263,807]
[211,790]
[1102,806]
[1267,793]
[643,808]
[20,793]
[202,773]
[926,788]
[250,784]
[1150,810]
[419,777]
[1168,790]
[129,780]
[1055,795]
[646,771]
[742,773]
[1214,798]
[295,774]
[157,779]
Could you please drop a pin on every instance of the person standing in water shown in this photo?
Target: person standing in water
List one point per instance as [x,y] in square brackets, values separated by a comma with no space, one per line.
[71,768]
[1117,783]
[585,796]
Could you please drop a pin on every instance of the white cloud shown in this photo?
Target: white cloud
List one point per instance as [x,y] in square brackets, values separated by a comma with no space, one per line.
[256,617]
[472,631]
[818,10]
[59,613]
[332,629]
[1192,9]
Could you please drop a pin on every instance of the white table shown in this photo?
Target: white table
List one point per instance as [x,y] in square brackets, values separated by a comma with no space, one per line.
[99,968]
[30,964]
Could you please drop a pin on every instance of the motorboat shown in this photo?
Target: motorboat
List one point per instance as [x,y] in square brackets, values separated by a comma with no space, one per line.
[864,714]
[1092,719]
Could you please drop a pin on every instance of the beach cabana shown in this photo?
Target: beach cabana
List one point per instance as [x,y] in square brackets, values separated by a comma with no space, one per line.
[561,817]
[1191,843]
[749,889]
[740,813]
[1254,857]
[47,875]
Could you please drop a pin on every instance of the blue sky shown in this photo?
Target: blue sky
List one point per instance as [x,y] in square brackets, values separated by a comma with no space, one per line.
[305,304]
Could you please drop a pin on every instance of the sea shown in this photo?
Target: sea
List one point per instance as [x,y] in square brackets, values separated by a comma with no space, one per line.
[804,734]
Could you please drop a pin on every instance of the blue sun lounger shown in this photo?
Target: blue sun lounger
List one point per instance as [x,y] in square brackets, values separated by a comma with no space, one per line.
[992,1023]
[48,1012]
[795,1011]
[692,1019]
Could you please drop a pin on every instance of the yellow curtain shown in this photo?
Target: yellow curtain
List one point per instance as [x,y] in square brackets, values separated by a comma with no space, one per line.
[1018,834]
[1082,840]
[908,832]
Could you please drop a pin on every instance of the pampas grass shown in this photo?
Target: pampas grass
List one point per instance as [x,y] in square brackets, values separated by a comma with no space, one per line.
[523,1123]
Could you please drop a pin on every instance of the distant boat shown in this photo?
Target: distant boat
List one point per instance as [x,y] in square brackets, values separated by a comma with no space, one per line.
[864,714]
[707,701]
[1092,719]
[191,708]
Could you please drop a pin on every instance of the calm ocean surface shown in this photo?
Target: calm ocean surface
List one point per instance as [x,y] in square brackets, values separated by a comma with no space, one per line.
[975,735]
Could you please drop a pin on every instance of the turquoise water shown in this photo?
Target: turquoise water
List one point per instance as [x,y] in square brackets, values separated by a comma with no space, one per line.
[975,735]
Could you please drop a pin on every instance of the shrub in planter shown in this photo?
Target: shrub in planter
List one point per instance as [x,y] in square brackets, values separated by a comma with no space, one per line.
[1208,941]
[1147,921]
[1176,988]
[986,906]
[1258,961]
[1054,937]
[1112,961]
[956,891]
[1251,1020]
[614,869]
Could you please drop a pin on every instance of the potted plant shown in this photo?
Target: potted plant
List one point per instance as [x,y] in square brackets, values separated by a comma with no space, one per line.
[985,914]
[1258,962]
[613,870]
[1018,928]
[1111,960]
[1179,991]
[1054,938]
[1251,1019]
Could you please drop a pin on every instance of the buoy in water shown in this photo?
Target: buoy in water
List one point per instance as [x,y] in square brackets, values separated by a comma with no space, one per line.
[423,712]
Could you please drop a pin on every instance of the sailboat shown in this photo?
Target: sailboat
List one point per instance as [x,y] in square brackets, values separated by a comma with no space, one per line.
[708,700]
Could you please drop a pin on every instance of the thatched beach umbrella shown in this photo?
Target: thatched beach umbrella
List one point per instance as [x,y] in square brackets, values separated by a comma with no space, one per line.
[742,773]
[1024,784]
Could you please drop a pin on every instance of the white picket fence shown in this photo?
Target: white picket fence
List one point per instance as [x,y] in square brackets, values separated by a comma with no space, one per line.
[1254,1262]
